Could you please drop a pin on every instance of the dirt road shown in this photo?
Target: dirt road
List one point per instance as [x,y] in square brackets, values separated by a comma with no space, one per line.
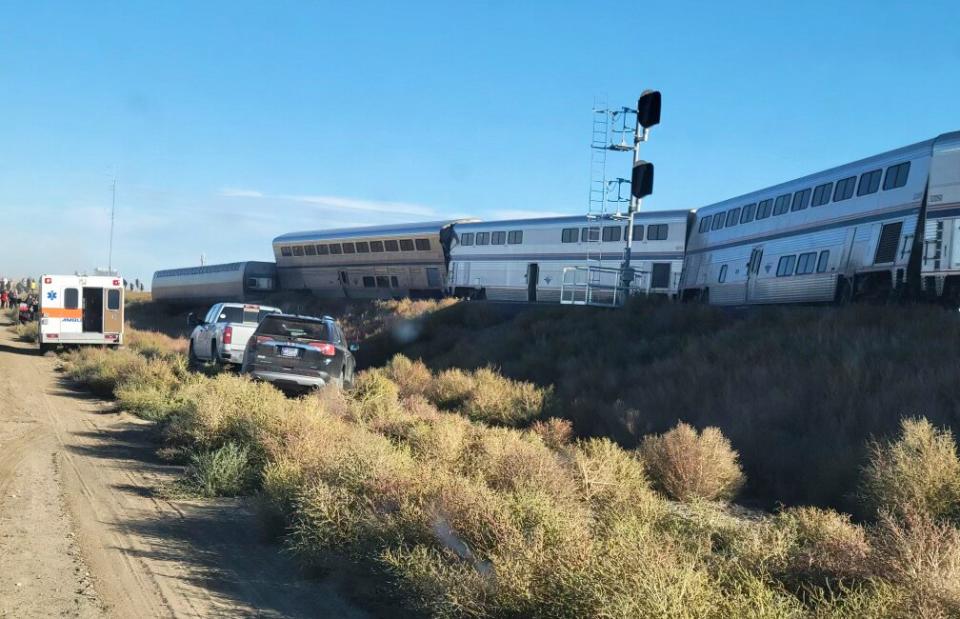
[83,535]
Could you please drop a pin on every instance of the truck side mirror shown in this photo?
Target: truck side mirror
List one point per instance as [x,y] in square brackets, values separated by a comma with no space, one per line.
[192,320]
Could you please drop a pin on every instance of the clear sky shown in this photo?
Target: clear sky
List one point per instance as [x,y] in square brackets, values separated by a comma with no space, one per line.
[232,123]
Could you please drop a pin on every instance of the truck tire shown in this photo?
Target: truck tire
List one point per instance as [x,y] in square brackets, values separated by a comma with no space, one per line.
[192,360]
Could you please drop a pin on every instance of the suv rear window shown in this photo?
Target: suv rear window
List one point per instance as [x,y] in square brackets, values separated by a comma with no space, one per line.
[293,327]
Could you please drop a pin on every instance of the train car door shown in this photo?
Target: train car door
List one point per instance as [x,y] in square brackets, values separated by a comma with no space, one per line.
[533,276]
[753,270]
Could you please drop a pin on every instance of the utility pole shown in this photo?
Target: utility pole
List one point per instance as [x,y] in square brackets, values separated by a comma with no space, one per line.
[113,214]
[641,183]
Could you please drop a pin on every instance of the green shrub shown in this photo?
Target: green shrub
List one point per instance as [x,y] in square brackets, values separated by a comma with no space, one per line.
[28,332]
[920,556]
[687,465]
[917,472]
[410,377]
[225,471]
[824,548]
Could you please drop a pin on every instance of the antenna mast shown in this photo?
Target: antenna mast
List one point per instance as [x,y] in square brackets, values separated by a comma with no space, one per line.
[113,213]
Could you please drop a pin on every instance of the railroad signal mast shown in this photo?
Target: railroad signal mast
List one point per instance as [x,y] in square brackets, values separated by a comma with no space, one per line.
[641,179]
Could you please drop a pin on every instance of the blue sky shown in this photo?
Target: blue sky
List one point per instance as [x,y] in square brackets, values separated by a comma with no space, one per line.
[232,123]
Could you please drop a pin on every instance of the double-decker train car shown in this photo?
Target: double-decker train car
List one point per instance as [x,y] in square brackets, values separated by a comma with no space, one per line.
[846,232]
[526,259]
[236,281]
[403,260]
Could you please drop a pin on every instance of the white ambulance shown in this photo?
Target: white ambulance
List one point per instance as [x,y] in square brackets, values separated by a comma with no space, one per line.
[81,309]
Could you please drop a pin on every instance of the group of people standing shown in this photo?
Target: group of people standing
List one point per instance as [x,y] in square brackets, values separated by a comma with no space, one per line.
[20,295]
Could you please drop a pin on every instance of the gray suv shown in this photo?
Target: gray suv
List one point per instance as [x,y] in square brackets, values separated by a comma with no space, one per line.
[296,353]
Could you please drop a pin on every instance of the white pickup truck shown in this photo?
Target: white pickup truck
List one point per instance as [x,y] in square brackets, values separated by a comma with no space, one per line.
[222,335]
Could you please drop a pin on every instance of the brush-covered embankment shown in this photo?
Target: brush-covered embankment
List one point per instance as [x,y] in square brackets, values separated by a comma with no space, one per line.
[410,476]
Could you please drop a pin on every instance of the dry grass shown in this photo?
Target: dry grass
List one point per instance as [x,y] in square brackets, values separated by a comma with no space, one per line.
[687,465]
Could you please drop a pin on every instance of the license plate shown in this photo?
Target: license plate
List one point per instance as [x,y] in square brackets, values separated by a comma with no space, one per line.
[289,352]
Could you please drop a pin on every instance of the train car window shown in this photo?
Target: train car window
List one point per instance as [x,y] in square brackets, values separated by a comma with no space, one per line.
[589,234]
[821,194]
[394,282]
[782,205]
[310,250]
[844,189]
[322,250]
[515,237]
[638,232]
[723,274]
[869,183]
[483,238]
[801,200]
[286,251]
[423,244]
[376,247]
[657,232]
[466,239]
[763,209]
[749,211]
[335,249]
[391,246]
[785,265]
[369,281]
[896,176]
[806,263]
[297,250]
[498,238]
[611,234]
[568,235]
[348,248]
[406,244]
[823,260]
[363,247]
[383,281]
[718,221]
[704,223]
[733,217]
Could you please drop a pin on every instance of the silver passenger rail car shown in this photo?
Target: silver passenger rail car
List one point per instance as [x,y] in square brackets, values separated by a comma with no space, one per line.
[850,231]
[370,262]
[235,281]
[525,259]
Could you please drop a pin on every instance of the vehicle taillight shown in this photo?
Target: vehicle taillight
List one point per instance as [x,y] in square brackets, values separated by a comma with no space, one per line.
[116,282]
[326,349]
[228,335]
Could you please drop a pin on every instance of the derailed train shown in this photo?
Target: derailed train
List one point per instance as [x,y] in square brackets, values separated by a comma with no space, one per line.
[887,224]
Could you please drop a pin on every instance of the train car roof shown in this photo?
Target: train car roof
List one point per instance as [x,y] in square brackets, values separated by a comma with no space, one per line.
[426,227]
[573,219]
[209,268]
[814,177]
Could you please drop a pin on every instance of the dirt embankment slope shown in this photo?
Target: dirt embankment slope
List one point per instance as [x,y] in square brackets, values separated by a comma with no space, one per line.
[82,533]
